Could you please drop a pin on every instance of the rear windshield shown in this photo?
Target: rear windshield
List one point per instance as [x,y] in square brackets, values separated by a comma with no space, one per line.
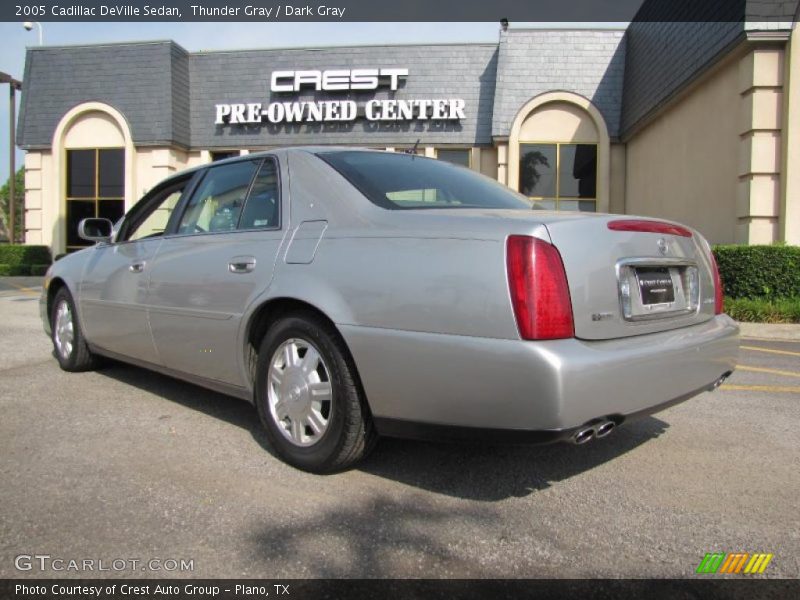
[405,181]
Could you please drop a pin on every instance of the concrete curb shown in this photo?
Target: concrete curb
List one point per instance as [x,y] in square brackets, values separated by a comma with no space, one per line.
[788,331]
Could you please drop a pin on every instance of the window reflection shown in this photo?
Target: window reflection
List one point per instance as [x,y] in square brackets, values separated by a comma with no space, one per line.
[553,175]
[537,169]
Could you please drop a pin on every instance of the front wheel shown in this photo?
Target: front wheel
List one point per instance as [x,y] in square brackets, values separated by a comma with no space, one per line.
[69,344]
[308,396]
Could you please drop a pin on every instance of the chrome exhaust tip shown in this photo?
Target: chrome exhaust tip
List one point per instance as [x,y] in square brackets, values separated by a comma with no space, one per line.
[720,381]
[583,435]
[604,429]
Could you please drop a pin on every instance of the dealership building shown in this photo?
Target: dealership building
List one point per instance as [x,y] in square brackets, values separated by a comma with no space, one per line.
[693,121]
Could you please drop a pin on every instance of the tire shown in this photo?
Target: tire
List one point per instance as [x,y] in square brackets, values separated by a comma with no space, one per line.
[69,344]
[313,410]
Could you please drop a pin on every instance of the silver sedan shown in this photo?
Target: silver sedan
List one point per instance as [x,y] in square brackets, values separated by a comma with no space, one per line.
[350,294]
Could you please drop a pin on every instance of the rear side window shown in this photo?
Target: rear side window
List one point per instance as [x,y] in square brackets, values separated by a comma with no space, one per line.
[403,181]
[263,204]
[218,201]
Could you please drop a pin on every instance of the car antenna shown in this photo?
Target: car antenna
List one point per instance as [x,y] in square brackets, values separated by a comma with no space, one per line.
[413,151]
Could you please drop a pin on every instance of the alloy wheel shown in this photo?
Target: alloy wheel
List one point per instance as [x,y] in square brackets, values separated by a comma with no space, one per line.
[64,329]
[299,392]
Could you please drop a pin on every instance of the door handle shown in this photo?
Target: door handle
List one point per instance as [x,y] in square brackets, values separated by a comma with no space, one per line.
[242,264]
[137,267]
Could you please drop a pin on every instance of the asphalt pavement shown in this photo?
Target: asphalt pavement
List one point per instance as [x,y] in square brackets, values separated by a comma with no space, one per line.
[124,464]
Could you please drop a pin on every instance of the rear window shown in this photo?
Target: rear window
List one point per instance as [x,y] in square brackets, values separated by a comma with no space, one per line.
[405,181]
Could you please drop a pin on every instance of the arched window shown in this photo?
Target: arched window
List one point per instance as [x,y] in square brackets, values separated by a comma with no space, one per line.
[558,158]
[95,152]
[558,154]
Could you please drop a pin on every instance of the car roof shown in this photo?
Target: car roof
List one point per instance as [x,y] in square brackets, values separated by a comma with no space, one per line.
[270,152]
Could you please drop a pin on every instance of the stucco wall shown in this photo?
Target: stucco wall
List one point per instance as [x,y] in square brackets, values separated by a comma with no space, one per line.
[684,164]
[790,199]
[489,162]
[616,193]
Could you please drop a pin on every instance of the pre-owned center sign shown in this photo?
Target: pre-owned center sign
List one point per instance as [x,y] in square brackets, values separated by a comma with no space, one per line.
[339,80]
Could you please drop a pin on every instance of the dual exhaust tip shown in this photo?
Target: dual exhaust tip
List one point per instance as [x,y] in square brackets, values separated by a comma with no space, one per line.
[597,430]
[602,428]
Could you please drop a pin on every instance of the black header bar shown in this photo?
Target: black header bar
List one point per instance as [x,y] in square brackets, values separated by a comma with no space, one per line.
[403,11]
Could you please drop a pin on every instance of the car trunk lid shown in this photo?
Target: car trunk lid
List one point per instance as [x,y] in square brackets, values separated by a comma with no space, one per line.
[633,276]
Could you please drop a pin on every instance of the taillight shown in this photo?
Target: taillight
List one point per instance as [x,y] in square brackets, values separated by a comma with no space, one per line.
[648,227]
[539,292]
[718,302]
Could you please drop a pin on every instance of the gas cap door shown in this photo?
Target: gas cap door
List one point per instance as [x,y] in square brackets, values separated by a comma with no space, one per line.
[305,241]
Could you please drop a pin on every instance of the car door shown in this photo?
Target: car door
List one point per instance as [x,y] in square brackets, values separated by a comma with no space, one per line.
[221,256]
[114,285]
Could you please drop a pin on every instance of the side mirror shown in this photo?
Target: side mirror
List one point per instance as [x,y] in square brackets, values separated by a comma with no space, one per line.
[95,230]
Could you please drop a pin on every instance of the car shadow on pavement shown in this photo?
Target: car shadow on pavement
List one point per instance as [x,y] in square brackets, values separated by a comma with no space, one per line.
[495,472]
[479,472]
[220,406]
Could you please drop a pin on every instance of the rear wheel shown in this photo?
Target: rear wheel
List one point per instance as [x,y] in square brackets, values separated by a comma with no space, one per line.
[70,346]
[309,398]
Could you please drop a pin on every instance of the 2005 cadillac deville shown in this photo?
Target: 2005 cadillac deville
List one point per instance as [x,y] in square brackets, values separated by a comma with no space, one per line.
[351,293]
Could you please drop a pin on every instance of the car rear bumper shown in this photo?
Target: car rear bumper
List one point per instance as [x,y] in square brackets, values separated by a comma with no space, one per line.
[455,433]
[532,391]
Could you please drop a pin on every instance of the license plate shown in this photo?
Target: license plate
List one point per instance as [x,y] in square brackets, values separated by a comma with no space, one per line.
[655,285]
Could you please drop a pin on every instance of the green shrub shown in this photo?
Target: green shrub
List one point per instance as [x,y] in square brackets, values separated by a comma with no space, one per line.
[7,270]
[39,270]
[759,271]
[20,255]
[764,310]
[14,270]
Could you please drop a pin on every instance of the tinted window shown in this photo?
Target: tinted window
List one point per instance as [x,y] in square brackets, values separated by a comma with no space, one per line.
[113,210]
[77,210]
[537,170]
[457,157]
[224,154]
[111,173]
[400,181]
[80,173]
[263,203]
[96,184]
[217,203]
[555,176]
[578,171]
